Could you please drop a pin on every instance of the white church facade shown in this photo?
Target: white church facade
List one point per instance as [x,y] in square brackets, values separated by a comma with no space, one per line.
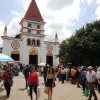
[29,46]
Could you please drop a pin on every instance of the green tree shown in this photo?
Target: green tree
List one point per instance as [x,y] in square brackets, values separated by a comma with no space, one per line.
[83,48]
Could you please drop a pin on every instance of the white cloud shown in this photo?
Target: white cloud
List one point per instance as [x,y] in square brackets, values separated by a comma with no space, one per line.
[17,14]
[25,3]
[58,21]
[87,1]
[59,4]
[97,1]
[97,13]
[14,27]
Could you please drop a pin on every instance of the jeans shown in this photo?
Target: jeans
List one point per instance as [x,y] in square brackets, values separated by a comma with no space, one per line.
[44,78]
[26,80]
[7,88]
[63,76]
[59,76]
[31,90]
[78,82]
[99,87]
[83,84]
[92,92]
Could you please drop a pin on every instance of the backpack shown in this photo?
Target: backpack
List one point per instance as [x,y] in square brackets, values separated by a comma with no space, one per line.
[10,79]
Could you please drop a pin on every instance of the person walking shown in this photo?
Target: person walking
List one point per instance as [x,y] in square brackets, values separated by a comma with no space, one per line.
[45,69]
[50,83]
[83,78]
[59,73]
[26,74]
[67,74]
[98,79]
[1,69]
[8,81]
[33,82]
[73,76]
[78,77]
[62,75]
[90,79]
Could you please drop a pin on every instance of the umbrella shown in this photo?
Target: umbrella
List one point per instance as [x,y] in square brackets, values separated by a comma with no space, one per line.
[5,58]
[42,64]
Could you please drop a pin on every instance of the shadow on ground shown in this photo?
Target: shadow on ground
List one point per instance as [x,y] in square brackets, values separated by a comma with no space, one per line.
[1,89]
[22,89]
[2,97]
[42,83]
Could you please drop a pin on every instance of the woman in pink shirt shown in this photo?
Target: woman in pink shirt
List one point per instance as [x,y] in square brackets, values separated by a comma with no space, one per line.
[33,82]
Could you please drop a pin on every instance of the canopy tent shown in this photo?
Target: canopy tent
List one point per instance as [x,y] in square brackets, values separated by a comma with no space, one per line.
[5,58]
[42,64]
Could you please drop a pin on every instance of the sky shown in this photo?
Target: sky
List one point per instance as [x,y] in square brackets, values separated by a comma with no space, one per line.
[61,16]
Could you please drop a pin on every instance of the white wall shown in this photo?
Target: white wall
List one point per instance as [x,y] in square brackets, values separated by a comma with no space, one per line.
[7,48]
[26,49]
[54,52]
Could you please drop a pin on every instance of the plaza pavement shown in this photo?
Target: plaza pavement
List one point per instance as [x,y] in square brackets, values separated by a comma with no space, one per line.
[61,91]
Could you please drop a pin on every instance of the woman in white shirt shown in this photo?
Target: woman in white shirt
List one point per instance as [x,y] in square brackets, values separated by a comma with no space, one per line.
[63,75]
[50,82]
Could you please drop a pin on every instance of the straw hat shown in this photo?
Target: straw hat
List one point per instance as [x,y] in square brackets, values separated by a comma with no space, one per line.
[90,67]
[98,68]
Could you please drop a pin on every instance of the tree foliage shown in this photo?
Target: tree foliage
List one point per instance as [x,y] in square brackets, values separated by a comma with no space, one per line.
[83,48]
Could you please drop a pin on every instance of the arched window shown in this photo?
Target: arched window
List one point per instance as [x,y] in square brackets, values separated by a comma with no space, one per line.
[38,42]
[28,41]
[29,25]
[33,42]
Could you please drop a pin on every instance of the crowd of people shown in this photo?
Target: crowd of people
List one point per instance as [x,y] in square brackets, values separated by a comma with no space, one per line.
[85,77]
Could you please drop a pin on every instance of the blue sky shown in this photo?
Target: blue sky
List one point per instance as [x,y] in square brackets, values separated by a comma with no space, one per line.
[62,16]
[87,15]
[6,6]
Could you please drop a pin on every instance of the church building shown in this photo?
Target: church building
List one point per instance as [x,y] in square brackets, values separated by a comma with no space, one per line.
[29,46]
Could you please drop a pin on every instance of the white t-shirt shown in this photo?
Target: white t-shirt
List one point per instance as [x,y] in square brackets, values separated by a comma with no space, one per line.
[91,76]
[62,71]
[98,75]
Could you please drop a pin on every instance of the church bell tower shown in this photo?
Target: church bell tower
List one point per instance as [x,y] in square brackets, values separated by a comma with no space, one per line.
[32,23]
[32,30]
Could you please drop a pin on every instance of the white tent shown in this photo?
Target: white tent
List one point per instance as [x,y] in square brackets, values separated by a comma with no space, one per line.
[42,64]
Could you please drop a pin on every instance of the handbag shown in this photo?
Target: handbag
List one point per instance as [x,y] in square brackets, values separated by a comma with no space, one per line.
[46,83]
[86,92]
[46,90]
[38,91]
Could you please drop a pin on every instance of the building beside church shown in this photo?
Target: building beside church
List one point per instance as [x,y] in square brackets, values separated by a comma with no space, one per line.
[29,46]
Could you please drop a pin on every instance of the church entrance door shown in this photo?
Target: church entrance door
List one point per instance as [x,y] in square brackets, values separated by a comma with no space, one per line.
[33,57]
[49,58]
[15,55]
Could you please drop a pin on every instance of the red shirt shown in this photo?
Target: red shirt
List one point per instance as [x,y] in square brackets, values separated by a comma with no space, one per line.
[94,70]
[5,76]
[33,79]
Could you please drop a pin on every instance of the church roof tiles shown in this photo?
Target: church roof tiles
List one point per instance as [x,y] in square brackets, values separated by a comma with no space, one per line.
[33,12]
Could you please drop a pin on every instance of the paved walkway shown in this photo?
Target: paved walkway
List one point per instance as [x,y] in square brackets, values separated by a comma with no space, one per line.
[61,91]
